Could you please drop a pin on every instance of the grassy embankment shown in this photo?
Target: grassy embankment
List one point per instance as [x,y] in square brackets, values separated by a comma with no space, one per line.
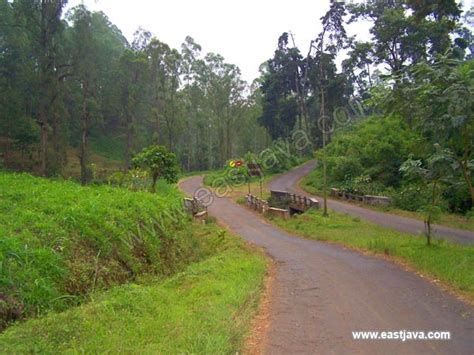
[94,267]
[451,264]
[312,184]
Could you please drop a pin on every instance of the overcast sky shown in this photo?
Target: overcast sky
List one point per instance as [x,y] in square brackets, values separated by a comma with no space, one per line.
[245,32]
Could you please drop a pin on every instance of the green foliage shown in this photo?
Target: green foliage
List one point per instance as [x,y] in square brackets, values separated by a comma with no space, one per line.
[279,157]
[412,197]
[59,241]
[437,171]
[67,80]
[159,163]
[374,148]
[206,309]
[440,101]
[407,31]
[109,147]
[228,176]
[345,168]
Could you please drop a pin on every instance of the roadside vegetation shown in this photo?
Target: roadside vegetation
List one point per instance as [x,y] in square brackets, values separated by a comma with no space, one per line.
[449,263]
[205,309]
[63,245]
[367,158]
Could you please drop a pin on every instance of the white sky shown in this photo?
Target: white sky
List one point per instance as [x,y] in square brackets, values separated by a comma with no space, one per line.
[245,32]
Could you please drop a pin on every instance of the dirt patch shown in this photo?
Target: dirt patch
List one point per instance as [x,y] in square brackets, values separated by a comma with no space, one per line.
[255,343]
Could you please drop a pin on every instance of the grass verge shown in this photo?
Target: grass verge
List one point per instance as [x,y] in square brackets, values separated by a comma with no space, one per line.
[206,309]
[60,242]
[449,263]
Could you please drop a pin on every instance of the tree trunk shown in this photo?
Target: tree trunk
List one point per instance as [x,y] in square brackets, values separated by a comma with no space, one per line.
[58,141]
[84,138]
[157,128]
[129,140]
[221,144]
[229,135]
[428,229]
[325,175]
[429,218]
[153,186]
[43,142]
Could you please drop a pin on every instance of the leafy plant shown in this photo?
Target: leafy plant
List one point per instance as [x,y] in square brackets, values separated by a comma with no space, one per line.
[437,170]
[159,163]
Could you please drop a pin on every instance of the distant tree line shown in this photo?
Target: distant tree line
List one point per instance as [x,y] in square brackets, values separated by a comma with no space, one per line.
[72,81]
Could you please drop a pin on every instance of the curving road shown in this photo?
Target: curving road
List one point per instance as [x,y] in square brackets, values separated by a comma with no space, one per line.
[289,182]
[322,293]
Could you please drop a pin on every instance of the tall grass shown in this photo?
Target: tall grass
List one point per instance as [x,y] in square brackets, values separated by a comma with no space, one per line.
[204,310]
[60,241]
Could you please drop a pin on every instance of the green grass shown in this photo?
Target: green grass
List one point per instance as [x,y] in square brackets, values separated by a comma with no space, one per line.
[452,264]
[206,309]
[60,241]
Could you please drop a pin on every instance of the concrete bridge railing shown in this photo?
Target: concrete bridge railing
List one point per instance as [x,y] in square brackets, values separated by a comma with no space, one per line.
[263,207]
[295,202]
[368,199]
[196,208]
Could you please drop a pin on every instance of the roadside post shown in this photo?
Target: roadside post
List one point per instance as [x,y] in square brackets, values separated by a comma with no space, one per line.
[255,170]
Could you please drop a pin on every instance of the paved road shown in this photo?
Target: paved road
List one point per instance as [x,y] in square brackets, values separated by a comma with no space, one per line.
[321,293]
[289,182]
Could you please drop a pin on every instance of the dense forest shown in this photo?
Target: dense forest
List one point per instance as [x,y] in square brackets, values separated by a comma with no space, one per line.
[74,89]
[71,82]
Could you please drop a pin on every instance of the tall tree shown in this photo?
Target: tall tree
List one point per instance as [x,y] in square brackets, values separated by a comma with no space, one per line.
[133,69]
[335,33]
[86,72]
[18,129]
[280,88]
[43,20]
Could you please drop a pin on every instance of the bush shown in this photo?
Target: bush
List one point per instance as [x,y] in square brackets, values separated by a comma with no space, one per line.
[227,176]
[412,197]
[363,185]
[375,147]
[458,198]
[343,168]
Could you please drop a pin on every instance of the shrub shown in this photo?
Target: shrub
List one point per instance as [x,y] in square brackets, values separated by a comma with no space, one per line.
[412,197]
[344,168]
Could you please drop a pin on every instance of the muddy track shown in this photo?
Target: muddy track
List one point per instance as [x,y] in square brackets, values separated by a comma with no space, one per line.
[322,293]
[289,182]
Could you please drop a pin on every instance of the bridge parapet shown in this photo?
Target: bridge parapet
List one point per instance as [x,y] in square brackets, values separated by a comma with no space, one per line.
[263,207]
[296,202]
[257,204]
[368,199]
[196,208]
